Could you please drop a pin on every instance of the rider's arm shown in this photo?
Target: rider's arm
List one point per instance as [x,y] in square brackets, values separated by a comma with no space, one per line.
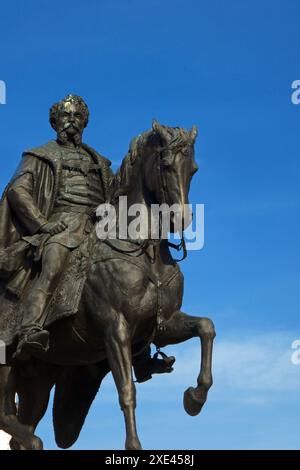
[22,203]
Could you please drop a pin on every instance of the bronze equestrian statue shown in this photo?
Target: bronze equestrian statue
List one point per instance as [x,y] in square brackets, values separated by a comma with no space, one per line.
[75,307]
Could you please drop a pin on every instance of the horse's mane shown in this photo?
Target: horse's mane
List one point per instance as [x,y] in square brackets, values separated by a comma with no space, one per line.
[125,176]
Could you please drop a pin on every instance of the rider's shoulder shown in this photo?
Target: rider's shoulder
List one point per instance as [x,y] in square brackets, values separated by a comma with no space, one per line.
[50,150]
[96,155]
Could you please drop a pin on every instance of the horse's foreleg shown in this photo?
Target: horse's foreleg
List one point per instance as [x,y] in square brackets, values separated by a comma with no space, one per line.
[8,419]
[33,385]
[118,350]
[182,327]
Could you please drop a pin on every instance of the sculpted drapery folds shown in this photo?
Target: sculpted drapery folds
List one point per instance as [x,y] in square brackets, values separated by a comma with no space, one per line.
[28,202]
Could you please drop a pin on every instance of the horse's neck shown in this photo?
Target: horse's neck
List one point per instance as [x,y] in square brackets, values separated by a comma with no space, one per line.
[128,210]
[159,252]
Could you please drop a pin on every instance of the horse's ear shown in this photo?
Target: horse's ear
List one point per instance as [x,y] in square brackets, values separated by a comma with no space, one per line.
[193,133]
[155,125]
[160,129]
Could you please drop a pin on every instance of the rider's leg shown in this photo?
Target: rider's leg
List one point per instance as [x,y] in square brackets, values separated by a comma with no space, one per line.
[54,258]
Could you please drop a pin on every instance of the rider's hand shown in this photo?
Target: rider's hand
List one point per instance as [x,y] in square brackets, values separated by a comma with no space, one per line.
[53,227]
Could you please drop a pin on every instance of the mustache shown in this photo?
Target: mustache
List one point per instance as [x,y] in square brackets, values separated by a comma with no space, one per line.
[62,133]
[67,125]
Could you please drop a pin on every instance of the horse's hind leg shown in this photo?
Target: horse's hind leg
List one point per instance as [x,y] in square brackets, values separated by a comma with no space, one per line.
[8,419]
[33,384]
[182,327]
[75,390]
[118,350]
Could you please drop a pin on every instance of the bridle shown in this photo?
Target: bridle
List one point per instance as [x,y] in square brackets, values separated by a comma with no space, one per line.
[143,245]
[163,189]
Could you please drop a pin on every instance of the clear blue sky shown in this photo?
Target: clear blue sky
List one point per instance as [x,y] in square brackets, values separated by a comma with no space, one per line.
[226,67]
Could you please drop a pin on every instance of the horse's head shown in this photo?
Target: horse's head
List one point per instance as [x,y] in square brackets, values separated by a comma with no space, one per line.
[168,169]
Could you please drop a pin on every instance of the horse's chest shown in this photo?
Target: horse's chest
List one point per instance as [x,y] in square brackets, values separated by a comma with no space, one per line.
[150,295]
[169,294]
[131,286]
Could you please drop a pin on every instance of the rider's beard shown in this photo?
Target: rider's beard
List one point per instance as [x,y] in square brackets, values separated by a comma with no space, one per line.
[64,137]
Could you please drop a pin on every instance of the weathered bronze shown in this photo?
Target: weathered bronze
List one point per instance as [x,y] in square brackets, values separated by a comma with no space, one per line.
[74,307]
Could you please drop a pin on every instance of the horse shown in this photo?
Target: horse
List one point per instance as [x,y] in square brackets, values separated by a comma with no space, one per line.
[131,298]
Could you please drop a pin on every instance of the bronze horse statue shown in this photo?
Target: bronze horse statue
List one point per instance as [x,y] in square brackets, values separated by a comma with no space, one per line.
[131,298]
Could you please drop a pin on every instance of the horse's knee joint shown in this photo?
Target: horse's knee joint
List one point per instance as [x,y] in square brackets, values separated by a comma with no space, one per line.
[207,328]
[127,397]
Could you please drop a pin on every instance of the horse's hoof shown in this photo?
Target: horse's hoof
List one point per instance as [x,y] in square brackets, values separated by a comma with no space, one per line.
[193,401]
[14,445]
[133,444]
[35,444]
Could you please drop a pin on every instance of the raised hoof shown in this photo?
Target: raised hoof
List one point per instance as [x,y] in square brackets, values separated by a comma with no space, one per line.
[193,401]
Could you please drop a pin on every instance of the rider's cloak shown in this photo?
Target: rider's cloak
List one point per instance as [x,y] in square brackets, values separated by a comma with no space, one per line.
[44,167]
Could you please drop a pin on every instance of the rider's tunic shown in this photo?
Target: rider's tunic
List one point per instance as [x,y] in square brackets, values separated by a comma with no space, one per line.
[80,191]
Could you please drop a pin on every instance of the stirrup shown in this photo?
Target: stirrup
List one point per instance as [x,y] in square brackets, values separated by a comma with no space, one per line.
[160,366]
[153,365]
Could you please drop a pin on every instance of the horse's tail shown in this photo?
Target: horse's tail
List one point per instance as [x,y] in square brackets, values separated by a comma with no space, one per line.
[75,391]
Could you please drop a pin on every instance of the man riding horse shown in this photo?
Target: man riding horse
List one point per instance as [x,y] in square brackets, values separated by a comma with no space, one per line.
[50,204]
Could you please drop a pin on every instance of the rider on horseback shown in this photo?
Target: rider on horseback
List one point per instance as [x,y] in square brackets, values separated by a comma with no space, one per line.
[53,196]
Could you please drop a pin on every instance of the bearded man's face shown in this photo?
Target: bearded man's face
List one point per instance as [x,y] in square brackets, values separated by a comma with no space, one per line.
[70,123]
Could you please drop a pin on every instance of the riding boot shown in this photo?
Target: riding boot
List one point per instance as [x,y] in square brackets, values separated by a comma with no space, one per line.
[163,365]
[35,339]
[142,366]
[32,336]
[145,365]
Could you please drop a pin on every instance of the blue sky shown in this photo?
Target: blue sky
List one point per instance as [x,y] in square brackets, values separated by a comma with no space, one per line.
[228,68]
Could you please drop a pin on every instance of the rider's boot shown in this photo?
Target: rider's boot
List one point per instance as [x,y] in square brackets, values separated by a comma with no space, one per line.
[163,365]
[33,337]
[146,365]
